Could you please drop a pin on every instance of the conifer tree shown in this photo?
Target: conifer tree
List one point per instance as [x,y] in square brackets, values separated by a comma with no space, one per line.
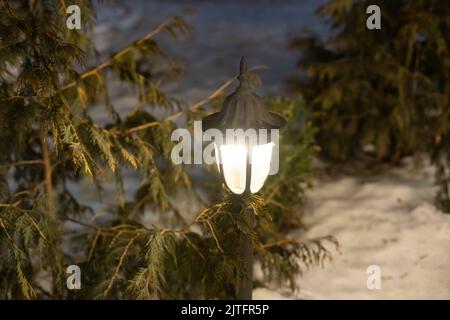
[388,88]
[50,140]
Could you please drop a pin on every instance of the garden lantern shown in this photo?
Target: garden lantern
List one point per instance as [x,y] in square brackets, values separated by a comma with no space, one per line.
[244,156]
[244,153]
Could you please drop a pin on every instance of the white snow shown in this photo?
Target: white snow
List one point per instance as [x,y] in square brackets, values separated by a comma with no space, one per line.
[266,294]
[386,219]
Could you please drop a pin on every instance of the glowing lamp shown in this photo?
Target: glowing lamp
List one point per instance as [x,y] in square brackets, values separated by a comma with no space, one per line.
[244,155]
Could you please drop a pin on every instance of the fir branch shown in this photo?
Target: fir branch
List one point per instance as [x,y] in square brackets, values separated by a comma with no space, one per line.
[93,244]
[35,224]
[278,243]
[214,235]
[167,25]
[21,163]
[101,231]
[278,204]
[2,224]
[27,289]
[161,27]
[121,259]
[7,205]
[193,246]
[47,173]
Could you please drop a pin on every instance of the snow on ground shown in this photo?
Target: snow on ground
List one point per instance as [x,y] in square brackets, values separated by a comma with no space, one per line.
[385,219]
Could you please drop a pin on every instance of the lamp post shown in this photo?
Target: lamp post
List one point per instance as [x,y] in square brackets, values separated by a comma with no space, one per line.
[244,156]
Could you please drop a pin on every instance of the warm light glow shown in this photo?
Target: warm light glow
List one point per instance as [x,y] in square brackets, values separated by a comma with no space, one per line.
[261,156]
[234,164]
[216,155]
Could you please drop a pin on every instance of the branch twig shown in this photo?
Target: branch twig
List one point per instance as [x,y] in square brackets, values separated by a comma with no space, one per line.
[192,108]
[110,61]
[214,235]
[122,257]
[47,173]
[21,163]
[8,205]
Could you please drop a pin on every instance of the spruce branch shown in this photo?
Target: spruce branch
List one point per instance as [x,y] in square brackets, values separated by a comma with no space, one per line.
[161,27]
[35,224]
[2,224]
[26,288]
[47,173]
[214,235]
[8,205]
[165,25]
[193,246]
[93,245]
[122,257]
[21,163]
[278,204]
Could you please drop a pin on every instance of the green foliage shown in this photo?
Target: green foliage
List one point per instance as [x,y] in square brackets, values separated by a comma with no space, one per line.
[386,88]
[284,191]
[197,261]
[50,140]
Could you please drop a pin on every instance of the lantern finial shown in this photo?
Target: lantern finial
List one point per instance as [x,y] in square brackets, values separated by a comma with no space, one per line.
[243,66]
[243,109]
[244,81]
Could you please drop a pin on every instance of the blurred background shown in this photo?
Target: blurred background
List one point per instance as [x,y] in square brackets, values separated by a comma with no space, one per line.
[223,31]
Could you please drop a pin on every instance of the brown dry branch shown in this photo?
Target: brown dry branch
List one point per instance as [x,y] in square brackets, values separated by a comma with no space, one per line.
[192,108]
[122,258]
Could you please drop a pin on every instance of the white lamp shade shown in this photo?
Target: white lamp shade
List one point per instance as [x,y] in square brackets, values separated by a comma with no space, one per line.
[234,160]
[260,164]
[234,165]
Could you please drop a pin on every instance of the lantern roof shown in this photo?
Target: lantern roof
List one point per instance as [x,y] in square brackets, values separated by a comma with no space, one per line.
[243,109]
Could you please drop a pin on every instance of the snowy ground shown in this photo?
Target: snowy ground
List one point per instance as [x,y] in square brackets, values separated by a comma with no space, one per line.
[385,219]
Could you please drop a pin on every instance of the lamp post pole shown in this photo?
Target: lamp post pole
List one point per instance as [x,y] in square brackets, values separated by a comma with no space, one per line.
[246,289]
